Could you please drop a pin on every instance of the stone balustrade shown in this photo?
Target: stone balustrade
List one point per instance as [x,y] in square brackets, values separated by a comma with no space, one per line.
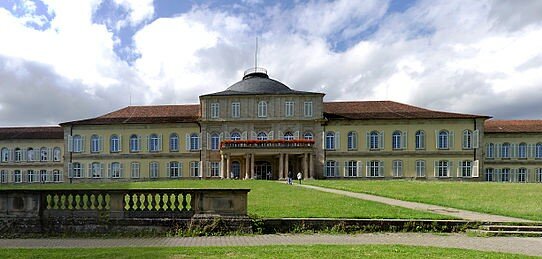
[277,143]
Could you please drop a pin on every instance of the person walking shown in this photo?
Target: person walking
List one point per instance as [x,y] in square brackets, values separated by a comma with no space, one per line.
[290,176]
[299,176]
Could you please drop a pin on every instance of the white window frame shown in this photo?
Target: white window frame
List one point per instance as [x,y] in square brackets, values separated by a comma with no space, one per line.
[77,172]
[490,151]
[289,108]
[397,168]
[443,168]
[57,176]
[174,169]
[4,153]
[374,140]
[396,140]
[77,144]
[44,154]
[288,136]
[505,150]
[235,110]
[466,168]
[135,170]
[235,136]
[95,170]
[173,142]
[215,110]
[114,142]
[135,143]
[194,141]
[443,139]
[154,143]
[538,151]
[351,169]
[154,170]
[17,176]
[215,141]
[307,109]
[3,176]
[522,175]
[420,140]
[420,168]
[375,168]
[330,140]
[467,139]
[331,168]
[308,136]
[522,151]
[261,136]
[116,170]
[262,109]
[352,140]
[95,144]
[57,154]
[214,169]
[195,169]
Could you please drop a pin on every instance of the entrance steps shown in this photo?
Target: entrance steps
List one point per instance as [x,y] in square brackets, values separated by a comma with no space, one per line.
[509,230]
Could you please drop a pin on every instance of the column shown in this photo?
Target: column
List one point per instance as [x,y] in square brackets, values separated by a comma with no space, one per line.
[305,166]
[281,167]
[311,166]
[286,164]
[247,166]
[252,157]
[228,167]
[222,167]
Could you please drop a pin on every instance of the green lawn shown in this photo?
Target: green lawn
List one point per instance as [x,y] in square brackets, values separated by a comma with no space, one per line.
[276,200]
[308,251]
[509,199]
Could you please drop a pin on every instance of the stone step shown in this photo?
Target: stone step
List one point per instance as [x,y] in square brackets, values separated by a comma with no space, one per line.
[526,228]
[506,233]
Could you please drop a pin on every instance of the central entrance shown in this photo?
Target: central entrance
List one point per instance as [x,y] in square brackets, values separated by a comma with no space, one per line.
[263,170]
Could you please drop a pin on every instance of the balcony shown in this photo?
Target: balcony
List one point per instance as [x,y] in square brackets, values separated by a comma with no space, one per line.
[264,144]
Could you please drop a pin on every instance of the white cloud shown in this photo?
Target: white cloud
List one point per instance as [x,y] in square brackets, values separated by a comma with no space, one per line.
[140,11]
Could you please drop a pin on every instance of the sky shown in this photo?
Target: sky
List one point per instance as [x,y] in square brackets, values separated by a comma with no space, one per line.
[69,60]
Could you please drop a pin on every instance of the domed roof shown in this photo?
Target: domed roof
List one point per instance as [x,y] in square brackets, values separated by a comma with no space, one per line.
[256,81]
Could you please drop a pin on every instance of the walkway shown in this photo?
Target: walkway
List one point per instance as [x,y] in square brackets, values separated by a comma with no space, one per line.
[527,246]
[463,214]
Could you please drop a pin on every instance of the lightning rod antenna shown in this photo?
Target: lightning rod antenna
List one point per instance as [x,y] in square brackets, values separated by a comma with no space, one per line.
[256,54]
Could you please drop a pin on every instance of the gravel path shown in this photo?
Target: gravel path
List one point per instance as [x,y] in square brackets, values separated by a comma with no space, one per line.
[517,245]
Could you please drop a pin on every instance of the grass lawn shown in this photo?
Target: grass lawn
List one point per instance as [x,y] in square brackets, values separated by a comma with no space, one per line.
[275,200]
[308,251]
[509,199]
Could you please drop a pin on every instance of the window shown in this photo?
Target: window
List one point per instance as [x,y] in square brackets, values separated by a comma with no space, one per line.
[32,176]
[215,169]
[115,170]
[153,170]
[174,169]
[522,151]
[44,154]
[134,169]
[308,109]
[442,168]
[154,143]
[505,150]
[397,168]
[194,141]
[215,141]
[308,136]
[376,169]
[330,169]
[261,136]
[77,170]
[396,141]
[215,110]
[96,170]
[288,136]
[115,143]
[538,151]
[505,175]
[135,143]
[262,109]
[374,140]
[18,155]
[330,140]
[30,154]
[352,140]
[443,138]
[43,176]
[194,169]
[420,139]
[235,110]
[539,175]
[522,175]
[174,142]
[488,177]
[466,168]
[467,139]
[56,154]
[235,136]
[77,144]
[420,168]
[95,144]
[351,169]
[17,176]
[4,155]
[289,108]
[3,176]
[490,150]
[57,177]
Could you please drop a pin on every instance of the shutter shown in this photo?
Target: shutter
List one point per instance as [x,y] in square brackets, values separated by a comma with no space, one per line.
[37,155]
[244,135]
[323,140]
[296,135]
[120,143]
[138,146]
[529,152]
[368,140]
[381,168]
[24,175]
[381,139]
[497,150]
[528,173]
[513,150]
[435,165]
[109,170]
[208,169]
[121,173]
[404,140]
[82,170]
[451,139]
[48,176]
[101,170]
[180,169]
[89,172]
[70,143]
[271,135]
[160,141]
[70,170]
[450,168]
[100,143]
[49,154]
[458,169]
[220,139]
[345,169]
[168,168]
[359,169]
[208,141]
[23,155]
[476,139]
[199,141]
[187,139]
[82,144]
[367,169]
[476,168]
[337,140]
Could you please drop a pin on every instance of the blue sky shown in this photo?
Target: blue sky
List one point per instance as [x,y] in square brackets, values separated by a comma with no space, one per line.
[64,60]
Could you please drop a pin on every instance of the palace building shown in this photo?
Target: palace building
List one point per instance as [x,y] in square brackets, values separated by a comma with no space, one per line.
[259,128]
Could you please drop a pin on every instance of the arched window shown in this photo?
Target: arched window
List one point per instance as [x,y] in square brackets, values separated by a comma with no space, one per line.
[18,155]
[374,140]
[331,169]
[154,143]
[95,144]
[135,144]
[5,155]
[235,136]
[490,150]
[308,135]
[77,143]
[443,139]
[288,136]
[537,152]
[420,139]
[352,140]
[505,150]
[215,141]
[194,141]
[396,141]
[467,139]
[173,142]
[522,150]
[262,109]
[114,143]
[30,154]
[330,140]
[261,136]
[57,154]
[43,154]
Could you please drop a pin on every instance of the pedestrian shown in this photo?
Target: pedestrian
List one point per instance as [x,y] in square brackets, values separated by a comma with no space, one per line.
[290,176]
[268,175]
[299,176]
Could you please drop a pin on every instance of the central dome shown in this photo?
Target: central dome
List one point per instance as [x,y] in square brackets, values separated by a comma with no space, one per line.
[256,80]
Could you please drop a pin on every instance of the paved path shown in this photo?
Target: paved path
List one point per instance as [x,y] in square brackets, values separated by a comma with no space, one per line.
[527,246]
[463,214]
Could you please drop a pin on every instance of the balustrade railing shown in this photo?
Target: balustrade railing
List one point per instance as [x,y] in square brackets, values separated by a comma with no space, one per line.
[279,143]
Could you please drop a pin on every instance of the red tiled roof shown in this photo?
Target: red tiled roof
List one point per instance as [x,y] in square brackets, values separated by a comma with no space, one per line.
[145,114]
[513,126]
[31,133]
[366,110]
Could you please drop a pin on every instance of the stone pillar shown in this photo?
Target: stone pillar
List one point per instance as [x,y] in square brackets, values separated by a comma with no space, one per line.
[247,166]
[252,158]
[281,167]
[286,165]
[311,166]
[305,166]
[228,167]
[223,167]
